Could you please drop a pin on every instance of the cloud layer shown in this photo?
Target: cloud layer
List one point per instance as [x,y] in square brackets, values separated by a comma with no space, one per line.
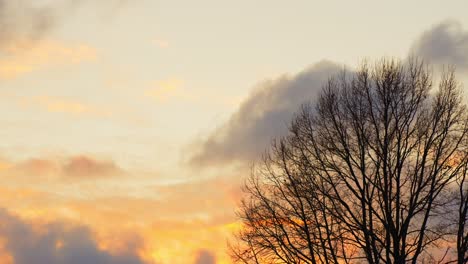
[262,117]
[444,44]
[175,223]
[55,243]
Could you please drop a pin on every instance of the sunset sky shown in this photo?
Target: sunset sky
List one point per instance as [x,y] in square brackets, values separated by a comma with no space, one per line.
[128,126]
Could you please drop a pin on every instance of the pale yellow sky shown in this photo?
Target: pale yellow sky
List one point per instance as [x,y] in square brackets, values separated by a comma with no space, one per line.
[210,53]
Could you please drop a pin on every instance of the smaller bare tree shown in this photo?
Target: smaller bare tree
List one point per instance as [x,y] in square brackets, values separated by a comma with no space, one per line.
[462,208]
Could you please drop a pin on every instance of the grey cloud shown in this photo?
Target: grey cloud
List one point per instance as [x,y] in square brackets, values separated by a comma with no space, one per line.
[205,257]
[22,22]
[263,116]
[72,168]
[21,19]
[57,244]
[444,44]
[266,113]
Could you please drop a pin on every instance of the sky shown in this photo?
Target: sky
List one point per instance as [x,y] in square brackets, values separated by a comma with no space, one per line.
[128,127]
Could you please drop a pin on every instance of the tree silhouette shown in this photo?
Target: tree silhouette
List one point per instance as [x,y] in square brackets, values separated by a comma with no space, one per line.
[366,175]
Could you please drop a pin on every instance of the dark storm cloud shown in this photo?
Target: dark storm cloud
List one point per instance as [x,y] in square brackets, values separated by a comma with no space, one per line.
[263,116]
[55,244]
[444,44]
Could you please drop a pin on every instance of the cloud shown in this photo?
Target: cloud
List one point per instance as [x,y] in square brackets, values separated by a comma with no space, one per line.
[38,166]
[182,202]
[16,60]
[56,243]
[84,166]
[21,19]
[263,116]
[266,113]
[30,20]
[205,257]
[180,221]
[74,167]
[444,44]
[24,25]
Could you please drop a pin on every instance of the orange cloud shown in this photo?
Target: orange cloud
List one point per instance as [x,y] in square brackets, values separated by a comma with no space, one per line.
[38,166]
[83,166]
[165,224]
[184,218]
[74,167]
[117,225]
[22,57]
[167,89]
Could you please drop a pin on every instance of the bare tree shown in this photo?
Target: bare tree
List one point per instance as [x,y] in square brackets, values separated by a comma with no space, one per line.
[362,176]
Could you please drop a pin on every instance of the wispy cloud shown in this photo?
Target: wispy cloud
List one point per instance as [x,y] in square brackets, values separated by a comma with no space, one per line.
[23,20]
[161,43]
[79,167]
[164,90]
[15,60]
[85,166]
[63,105]
[29,20]
[177,90]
